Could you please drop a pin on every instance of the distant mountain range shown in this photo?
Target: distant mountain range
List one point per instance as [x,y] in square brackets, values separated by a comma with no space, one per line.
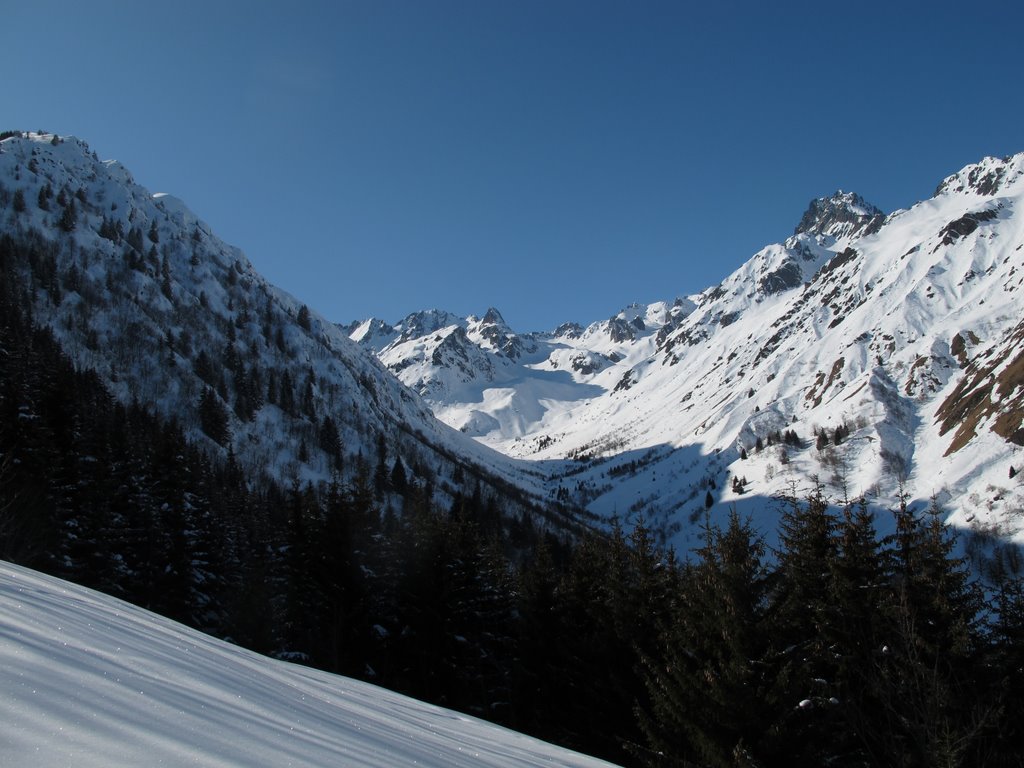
[880,353]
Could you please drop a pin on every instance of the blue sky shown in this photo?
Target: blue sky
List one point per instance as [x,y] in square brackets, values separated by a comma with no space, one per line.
[557,160]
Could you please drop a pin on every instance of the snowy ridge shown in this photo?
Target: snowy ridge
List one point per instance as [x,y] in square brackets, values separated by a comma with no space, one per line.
[858,320]
[89,680]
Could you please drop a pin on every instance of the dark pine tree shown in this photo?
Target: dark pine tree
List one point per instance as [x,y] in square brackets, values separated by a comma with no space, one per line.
[710,682]
[802,615]
[213,417]
[854,633]
[924,678]
[68,217]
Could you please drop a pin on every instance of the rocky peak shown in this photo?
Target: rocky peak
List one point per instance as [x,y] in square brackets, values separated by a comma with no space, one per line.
[620,330]
[842,214]
[428,321]
[987,177]
[492,317]
[568,330]
[492,331]
[453,347]
[373,333]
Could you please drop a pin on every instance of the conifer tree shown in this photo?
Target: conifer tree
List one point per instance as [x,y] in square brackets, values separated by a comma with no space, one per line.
[286,394]
[174,525]
[380,475]
[304,611]
[710,686]
[1003,679]
[602,659]
[213,417]
[341,574]
[541,627]
[855,634]
[924,675]
[399,481]
[803,614]
[69,217]
[480,618]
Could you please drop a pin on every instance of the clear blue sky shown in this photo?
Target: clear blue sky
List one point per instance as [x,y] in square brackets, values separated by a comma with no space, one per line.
[557,159]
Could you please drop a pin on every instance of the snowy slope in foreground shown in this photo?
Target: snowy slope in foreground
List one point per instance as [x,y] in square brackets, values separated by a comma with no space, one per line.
[88,680]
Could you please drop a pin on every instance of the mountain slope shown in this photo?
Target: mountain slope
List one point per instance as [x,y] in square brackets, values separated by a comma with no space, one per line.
[900,330]
[138,288]
[89,680]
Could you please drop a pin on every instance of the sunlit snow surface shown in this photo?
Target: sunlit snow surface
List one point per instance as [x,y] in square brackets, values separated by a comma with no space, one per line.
[88,680]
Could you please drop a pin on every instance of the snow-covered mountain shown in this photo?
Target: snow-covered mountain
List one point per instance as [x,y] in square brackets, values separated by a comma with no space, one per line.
[902,331]
[89,680]
[137,287]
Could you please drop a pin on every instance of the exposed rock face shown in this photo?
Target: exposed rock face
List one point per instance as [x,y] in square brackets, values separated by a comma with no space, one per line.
[989,177]
[621,330]
[568,330]
[787,276]
[842,214]
[965,225]
[991,391]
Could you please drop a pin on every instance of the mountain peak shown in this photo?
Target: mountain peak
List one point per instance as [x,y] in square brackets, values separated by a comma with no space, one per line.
[426,321]
[369,331]
[841,214]
[987,177]
[492,317]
